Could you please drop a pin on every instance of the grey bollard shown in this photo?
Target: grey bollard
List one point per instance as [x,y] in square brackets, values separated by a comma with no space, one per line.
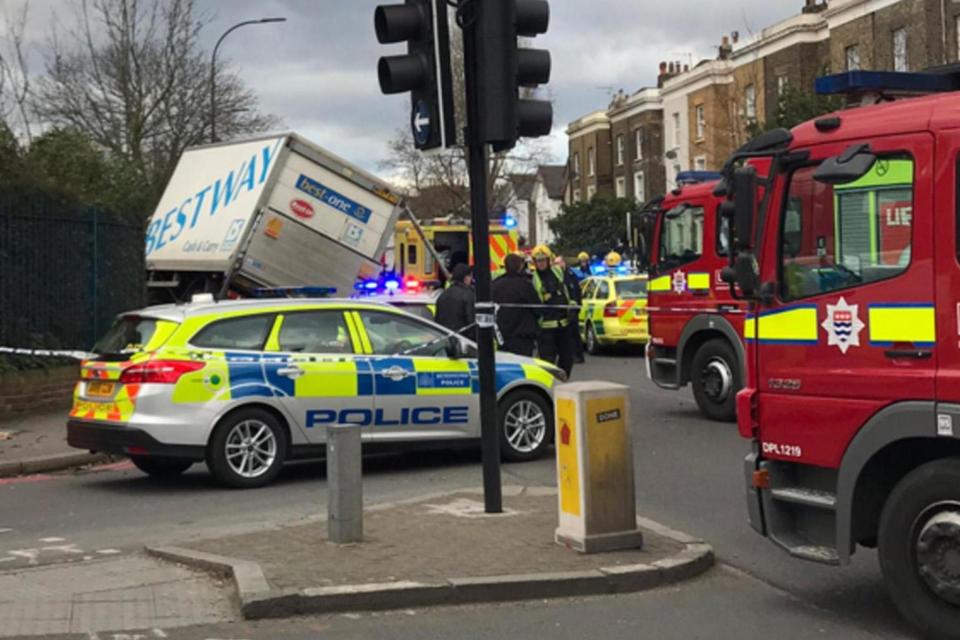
[344,484]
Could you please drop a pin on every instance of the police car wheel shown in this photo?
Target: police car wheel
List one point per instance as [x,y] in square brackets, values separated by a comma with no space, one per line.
[592,344]
[526,422]
[247,449]
[919,547]
[716,380]
[161,467]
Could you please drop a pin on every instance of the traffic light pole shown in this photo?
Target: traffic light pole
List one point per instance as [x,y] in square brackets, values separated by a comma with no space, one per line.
[477,159]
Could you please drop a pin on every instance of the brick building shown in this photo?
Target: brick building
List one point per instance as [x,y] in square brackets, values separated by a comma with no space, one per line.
[590,156]
[636,125]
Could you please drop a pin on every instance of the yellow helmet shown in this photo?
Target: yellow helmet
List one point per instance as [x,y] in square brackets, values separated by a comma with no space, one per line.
[613,259]
[541,251]
[583,255]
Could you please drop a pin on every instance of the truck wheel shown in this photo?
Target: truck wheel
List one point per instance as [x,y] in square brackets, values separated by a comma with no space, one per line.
[716,380]
[526,422]
[247,449]
[157,467]
[919,547]
[590,341]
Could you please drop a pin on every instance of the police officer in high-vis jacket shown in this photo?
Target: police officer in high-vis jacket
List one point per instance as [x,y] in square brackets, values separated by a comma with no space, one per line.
[548,280]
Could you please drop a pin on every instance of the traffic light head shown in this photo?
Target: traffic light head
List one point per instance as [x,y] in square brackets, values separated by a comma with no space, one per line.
[424,70]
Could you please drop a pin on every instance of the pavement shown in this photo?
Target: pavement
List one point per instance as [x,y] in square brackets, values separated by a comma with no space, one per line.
[37,443]
[441,549]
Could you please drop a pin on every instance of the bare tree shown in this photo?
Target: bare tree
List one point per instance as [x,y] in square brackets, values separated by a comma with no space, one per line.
[15,89]
[134,78]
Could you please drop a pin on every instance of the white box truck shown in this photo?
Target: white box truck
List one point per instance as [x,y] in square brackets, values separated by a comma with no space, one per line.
[268,212]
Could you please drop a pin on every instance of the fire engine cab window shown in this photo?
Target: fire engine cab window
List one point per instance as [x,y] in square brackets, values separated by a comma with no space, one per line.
[681,236]
[247,333]
[848,235]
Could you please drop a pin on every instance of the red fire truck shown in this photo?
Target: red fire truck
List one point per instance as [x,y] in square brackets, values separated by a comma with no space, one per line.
[851,265]
[695,323]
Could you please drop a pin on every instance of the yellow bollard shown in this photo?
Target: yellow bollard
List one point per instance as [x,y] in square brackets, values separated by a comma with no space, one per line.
[595,468]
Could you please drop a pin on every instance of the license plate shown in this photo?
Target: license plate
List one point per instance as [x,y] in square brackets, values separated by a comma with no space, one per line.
[100,389]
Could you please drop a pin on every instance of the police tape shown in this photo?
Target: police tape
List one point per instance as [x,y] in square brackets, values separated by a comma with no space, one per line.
[46,353]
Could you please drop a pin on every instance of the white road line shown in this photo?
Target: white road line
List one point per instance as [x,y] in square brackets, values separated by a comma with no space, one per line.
[111,552]
[159,633]
[5,530]
[52,540]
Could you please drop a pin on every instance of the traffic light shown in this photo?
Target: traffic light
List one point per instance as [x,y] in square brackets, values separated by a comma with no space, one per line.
[503,68]
[424,70]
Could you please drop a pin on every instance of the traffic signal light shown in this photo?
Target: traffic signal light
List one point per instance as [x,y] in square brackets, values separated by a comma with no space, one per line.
[503,68]
[424,70]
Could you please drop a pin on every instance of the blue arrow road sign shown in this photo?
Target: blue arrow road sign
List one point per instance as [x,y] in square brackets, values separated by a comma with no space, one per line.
[422,123]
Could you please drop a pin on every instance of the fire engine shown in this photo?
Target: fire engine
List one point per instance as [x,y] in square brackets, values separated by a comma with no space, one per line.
[849,257]
[695,323]
[452,243]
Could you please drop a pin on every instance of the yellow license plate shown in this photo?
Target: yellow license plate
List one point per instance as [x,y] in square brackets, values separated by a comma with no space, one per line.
[100,389]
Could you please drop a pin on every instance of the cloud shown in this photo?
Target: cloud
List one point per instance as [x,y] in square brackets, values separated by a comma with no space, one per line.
[317,71]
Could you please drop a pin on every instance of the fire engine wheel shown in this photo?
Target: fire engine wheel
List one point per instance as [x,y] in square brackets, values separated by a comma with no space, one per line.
[526,422]
[161,467]
[716,380]
[591,342]
[247,449]
[919,547]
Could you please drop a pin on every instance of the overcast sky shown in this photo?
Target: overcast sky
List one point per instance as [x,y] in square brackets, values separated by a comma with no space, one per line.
[317,71]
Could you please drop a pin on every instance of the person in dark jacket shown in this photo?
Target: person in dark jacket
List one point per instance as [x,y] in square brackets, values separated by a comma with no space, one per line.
[455,306]
[518,326]
[572,283]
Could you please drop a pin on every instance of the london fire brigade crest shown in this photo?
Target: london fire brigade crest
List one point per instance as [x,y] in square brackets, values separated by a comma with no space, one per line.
[679,281]
[843,325]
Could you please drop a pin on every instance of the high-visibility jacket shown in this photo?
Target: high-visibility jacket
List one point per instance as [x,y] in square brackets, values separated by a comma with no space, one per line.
[552,293]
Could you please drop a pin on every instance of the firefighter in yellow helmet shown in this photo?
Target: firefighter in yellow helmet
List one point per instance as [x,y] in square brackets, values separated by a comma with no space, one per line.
[582,270]
[555,344]
[613,260]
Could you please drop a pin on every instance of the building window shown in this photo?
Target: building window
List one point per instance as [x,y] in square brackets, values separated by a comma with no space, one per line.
[639,187]
[900,50]
[576,195]
[638,144]
[591,162]
[576,165]
[701,120]
[676,172]
[621,187]
[591,191]
[621,151]
[782,83]
[852,54]
[700,163]
[676,130]
[750,103]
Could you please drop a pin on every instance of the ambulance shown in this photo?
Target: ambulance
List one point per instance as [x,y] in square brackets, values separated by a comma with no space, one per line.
[850,261]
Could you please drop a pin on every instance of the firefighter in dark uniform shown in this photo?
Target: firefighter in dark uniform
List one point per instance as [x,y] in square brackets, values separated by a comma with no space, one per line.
[518,319]
[548,280]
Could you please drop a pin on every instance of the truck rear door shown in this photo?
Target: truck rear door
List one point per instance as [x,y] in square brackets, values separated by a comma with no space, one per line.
[850,326]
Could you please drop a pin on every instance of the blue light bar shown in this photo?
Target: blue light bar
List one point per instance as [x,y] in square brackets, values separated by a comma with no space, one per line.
[598,269]
[294,292]
[697,177]
[509,222]
[371,285]
[391,285]
[886,82]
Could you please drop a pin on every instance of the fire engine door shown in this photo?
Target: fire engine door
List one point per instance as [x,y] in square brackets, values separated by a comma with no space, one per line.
[851,326]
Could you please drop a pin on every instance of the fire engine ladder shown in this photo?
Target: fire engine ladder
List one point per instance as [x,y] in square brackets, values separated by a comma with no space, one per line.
[426,242]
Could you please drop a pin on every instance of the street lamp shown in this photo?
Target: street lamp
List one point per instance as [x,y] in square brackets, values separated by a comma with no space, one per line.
[213,70]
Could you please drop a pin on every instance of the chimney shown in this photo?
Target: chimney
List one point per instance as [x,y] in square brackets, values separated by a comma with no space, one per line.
[667,71]
[671,70]
[735,36]
[686,68]
[813,6]
[726,50]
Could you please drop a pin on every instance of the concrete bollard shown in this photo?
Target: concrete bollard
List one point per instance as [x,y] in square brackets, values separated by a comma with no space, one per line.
[344,484]
[595,479]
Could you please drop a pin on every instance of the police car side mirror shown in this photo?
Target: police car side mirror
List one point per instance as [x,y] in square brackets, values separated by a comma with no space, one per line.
[454,348]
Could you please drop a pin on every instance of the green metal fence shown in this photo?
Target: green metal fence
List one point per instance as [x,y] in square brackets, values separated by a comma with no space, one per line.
[65,272]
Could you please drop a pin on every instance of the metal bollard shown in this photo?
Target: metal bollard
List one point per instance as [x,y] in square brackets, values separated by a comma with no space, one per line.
[595,468]
[344,484]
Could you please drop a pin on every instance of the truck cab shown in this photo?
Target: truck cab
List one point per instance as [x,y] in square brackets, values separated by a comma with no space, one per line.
[852,402]
[695,322]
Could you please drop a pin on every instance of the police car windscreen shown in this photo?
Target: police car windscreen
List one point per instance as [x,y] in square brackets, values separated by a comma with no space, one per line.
[631,289]
[127,335]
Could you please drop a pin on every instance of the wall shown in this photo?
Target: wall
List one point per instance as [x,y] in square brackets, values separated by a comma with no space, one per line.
[37,390]
[718,141]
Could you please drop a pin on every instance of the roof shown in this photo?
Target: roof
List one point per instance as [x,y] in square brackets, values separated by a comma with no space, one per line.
[554,179]
[689,192]
[523,184]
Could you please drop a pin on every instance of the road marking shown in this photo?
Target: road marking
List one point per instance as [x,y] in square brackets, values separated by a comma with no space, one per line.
[49,540]
[5,530]
[64,548]
[112,552]
[30,555]
[25,479]
[159,633]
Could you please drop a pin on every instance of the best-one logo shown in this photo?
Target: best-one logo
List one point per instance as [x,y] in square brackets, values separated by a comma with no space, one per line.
[302,209]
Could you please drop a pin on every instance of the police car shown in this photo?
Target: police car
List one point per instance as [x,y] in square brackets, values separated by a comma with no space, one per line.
[614,311]
[419,303]
[247,385]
